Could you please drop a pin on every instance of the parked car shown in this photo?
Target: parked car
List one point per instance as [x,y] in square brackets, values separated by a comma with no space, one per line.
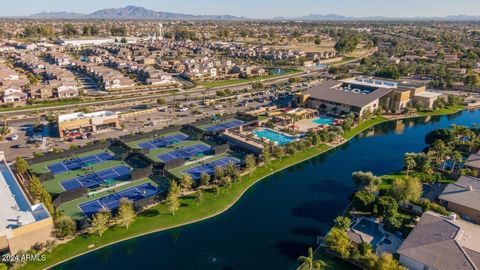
[14,137]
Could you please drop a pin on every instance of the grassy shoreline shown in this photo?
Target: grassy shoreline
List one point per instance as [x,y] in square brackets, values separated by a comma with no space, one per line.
[157,218]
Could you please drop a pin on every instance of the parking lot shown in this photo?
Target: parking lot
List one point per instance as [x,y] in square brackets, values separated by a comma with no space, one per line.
[183,113]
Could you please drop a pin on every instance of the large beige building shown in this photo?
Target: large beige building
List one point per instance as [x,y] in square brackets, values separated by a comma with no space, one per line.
[80,123]
[361,94]
[22,225]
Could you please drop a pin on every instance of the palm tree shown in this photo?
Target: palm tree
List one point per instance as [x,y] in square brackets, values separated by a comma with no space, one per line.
[457,158]
[4,118]
[440,148]
[310,261]
[409,162]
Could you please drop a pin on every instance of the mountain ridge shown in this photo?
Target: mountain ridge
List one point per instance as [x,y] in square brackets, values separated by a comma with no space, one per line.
[131,12]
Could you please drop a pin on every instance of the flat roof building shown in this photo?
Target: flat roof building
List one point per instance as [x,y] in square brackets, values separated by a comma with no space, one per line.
[361,94]
[79,123]
[22,225]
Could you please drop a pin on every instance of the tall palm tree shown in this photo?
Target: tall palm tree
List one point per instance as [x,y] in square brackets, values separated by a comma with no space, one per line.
[457,158]
[310,261]
[409,163]
[4,118]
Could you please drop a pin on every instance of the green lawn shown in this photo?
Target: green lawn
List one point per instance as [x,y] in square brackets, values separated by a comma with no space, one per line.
[444,111]
[423,177]
[240,81]
[46,104]
[363,126]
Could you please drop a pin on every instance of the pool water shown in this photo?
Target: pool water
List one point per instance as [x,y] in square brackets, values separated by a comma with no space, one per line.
[323,121]
[370,228]
[273,136]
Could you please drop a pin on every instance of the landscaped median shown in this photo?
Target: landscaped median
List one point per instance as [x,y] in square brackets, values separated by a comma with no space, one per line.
[158,218]
[233,82]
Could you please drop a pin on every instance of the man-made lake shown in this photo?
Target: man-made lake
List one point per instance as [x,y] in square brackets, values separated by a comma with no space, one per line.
[280,217]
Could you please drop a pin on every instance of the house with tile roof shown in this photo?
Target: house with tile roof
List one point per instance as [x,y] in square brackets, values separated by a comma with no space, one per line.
[463,197]
[441,243]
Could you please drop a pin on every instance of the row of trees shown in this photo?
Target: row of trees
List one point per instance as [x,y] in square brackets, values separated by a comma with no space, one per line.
[37,191]
[222,176]
[102,220]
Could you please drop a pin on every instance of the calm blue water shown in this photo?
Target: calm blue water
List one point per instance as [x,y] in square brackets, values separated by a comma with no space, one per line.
[278,218]
[323,120]
[273,136]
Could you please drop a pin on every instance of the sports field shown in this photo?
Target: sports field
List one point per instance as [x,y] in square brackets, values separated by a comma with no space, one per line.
[68,177]
[74,209]
[206,165]
[159,141]
[217,126]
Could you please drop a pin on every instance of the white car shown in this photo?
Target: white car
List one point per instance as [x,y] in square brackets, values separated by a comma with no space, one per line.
[183,109]
[14,137]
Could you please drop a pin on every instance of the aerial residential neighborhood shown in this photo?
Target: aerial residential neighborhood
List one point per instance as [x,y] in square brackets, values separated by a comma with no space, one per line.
[240,135]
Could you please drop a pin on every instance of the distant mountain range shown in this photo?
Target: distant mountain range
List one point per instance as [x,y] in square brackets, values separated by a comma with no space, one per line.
[335,17]
[140,13]
[130,13]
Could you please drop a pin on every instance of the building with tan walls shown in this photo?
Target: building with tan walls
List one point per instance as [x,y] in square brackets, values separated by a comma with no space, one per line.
[81,123]
[22,224]
[362,94]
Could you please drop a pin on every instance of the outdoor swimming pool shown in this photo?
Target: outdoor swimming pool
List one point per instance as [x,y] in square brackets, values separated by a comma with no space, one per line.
[370,228]
[273,136]
[323,120]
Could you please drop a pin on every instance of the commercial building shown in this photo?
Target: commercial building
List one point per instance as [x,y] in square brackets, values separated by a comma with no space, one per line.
[80,123]
[22,225]
[441,243]
[463,197]
[362,94]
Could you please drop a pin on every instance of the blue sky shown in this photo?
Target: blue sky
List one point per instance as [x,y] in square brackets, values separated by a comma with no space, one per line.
[257,8]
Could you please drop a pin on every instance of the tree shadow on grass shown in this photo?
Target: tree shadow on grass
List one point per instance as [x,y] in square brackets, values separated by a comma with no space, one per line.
[149,213]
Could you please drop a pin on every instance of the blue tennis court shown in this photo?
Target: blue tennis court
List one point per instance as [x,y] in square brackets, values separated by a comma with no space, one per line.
[185,153]
[78,163]
[163,141]
[93,180]
[209,168]
[112,201]
[223,126]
